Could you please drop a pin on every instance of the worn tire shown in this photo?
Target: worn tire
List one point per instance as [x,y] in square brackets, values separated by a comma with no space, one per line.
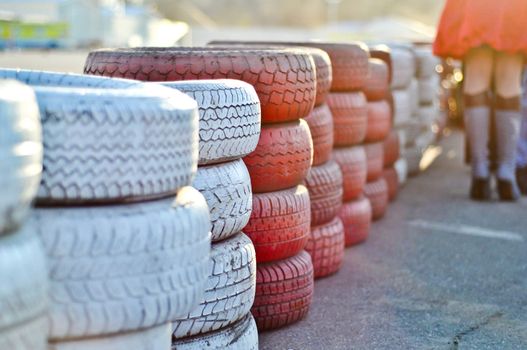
[320,123]
[227,190]
[379,121]
[282,158]
[375,160]
[229,118]
[391,149]
[392,180]
[413,88]
[280,223]
[402,107]
[353,164]
[428,90]
[426,62]
[377,194]
[230,289]
[242,335]
[324,184]
[123,268]
[377,85]
[383,53]
[403,65]
[20,153]
[356,217]
[326,246]
[284,291]
[350,117]
[284,79]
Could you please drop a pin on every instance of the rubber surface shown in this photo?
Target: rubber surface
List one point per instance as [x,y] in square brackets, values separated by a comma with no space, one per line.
[377,84]
[391,149]
[402,107]
[392,180]
[284,291]
[230,289]
[429,89]
[229,118]
[326,247]
[379,121]
[20,153]
[227,190]
[280,223]
[122,268]
[375,160]
[413,88]
[404,66]
[377,194]
[350,117]
[428,115]
[320,123]
[353,164]
[282,158]
[284,79]
[426,62]
[356,217]
[383,53]
[325,186]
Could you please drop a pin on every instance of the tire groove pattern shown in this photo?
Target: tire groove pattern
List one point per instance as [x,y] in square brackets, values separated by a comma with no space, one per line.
[320,123]
[356,217]
[326,247]
[377,194]
[353,164]
[350,117]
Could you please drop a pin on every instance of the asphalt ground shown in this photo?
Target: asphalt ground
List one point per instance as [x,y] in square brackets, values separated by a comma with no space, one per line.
[438,272]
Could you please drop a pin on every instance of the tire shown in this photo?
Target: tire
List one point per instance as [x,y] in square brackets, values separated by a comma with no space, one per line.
[117,269]
[356,217]
[242,335]
[20,153]
[402,112]
[326,247]
[402,170]
[324,184]
[284,291]
[227,189]
[229,118]
[113,146]
[377,194]
[428,90]
[377,84]
[375,160]
[280,223]
[428,115]
[23,295]
[426,62]
[412,130]
[383,53]
[353,164]
[379,121]
[391,149]
[148,339]
[350,117]
[392,180]
[230,289]
[413,88]
[282,158]
[320,123]
[403,65]
[284,79]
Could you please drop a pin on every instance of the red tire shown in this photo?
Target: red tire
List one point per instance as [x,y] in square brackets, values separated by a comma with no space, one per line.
[353,164]
[382,52]
[379,121]
[284,79]
[326,247]
[324,184]
[350,117]
[377,193]
[392,180]
[284,291]
[282,158]
[280,223]
[375,160]
[377,84]
[356,217]
[320,123]
[391,149]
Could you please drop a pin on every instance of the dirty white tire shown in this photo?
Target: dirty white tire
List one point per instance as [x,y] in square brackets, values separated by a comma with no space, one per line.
[230,290]
[227,189]
[115,145]
[403,66]
[428,89]
[413,88]
[122,268]
[402,104]
[401,166]
[23,291]
[243,335]
[156,338]
[426,62]
[413,159]
[428,115]
[20,153]
[229,118]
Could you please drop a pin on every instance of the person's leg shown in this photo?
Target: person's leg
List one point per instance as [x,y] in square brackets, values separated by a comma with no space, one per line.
[507,75]
[477,82]
[521,159]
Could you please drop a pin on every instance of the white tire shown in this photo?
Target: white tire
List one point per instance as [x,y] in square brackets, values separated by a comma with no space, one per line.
[402,102]
[426,62]
[229,118]
[428,115]
[20,153]
[428,89]
[227,189]
[122,268]
[403,66]
[402,170]
[230,290]
[413,89]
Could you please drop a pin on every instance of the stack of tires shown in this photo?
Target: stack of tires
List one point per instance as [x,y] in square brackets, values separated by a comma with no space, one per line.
[24,286]
[125,258]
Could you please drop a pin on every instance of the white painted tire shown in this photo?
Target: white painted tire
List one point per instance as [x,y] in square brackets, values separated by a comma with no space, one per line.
[428,115]
[428,89]
[243,335]
[401,166]
[413,89]
[403,66]
[20,153]
[227,189]
[122,268]
[229,118]
[230,290]
[426,62]
[402,103]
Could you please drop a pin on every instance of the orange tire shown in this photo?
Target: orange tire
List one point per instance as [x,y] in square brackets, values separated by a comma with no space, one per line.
[375,160]
[356,217]
[350,117]
[377,84]
[320,123]
[353,164]
[379,121]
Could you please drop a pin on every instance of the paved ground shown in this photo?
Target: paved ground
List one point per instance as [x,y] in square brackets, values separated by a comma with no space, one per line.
[412,286]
